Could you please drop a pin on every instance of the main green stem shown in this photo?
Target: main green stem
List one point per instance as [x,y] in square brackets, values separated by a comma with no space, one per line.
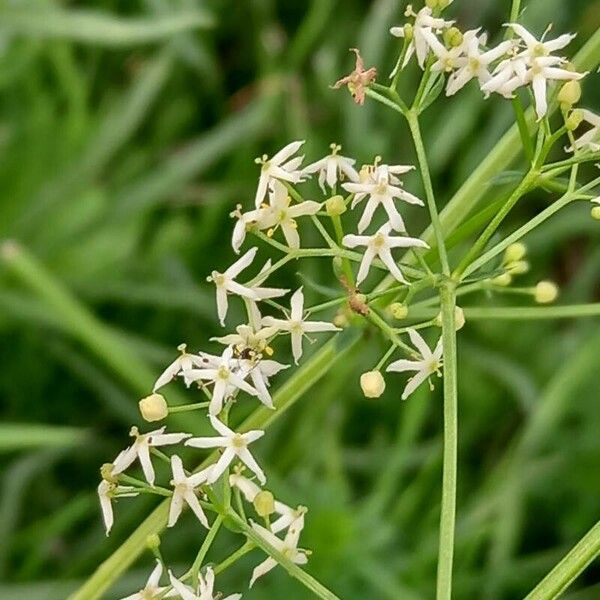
[413,123]
[448,512]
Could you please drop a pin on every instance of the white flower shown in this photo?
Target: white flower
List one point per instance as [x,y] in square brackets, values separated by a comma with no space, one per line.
[235,444]
[257,217]
[250,490]
[152,588]
[287,546]
[332,168]
[224,283]
[590,139]
[447,58]
[296,325]
[424,22]
[184,362]
[252,309]
[283,214]
[276,167]
[533,66]
[140,449]
[205,589]
[429,364]
[184,492]
[474,63]
[380,244]
[224,376]
[381,192]
[106,492]
[259,372]
[247,336]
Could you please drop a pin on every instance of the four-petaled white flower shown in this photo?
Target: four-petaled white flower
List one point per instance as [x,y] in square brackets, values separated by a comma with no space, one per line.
[380,244]
[152,588]
[296,325]
[140,449]
[429,363]
[235,445]
[205,589]
[424,22]
[225,378]
[288,546]
[225,284]
[278,167]
[591,138]
[249,489]
[474,63]
[381,192]
[184,492]
[333,168]
[184,362]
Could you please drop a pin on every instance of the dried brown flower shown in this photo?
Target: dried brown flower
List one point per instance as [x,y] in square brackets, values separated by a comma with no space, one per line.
[358,80]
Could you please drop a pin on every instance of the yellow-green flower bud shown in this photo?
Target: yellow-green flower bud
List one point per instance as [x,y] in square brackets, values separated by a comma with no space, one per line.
[503,280]
[595,212]
[515,252]
[372,384]
[398,310]
[432,3]
[569,93]
[574,120]
[453,37]
[264,503]
[442,4]
[545,292]
[335,206]
[459,318]
[341,319]
[518,267]
[153,542]
[154,407]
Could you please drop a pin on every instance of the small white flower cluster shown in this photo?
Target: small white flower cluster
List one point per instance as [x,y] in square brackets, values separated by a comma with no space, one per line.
[514,63]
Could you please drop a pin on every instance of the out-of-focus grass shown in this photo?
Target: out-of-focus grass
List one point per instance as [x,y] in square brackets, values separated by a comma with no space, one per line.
[127,133]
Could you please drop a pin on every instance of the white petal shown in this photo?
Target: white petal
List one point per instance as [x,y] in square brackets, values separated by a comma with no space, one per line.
[175,508]
[419,343]
[194,504]
[246,457]
[262,569]
[297,305]
[414,383]
[241,263]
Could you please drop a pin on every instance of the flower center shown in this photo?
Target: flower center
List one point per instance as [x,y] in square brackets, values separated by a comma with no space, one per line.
[378,241]
[296,326]
[474,64]
[218,278]
[238,441]
[223,373]
[539,50]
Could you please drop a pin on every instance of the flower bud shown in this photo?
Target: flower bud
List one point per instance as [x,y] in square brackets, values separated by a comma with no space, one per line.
[340,319]
[573,120]
[398,310]
[517,267]
[154,407]
[432,3]
[459,318]
[453,37]
[545,292]
[153,542]
[442,4]
[502,280]
[335,206]
[372,384]
[595,212]
[515,252]
[569,93]
[264,503]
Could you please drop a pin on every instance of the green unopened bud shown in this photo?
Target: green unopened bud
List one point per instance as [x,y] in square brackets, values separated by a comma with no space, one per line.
[545,292]
[153,407]
[264,503]
[372,384]
[408,32]
[398,310]
[595,212]
[341,319]
[503,280]
[518,267]
[432,3]
[442,4]
[338,267]
[574,120]
[153,542]
[453,37]
[569,94]
[335,206]
[515,252]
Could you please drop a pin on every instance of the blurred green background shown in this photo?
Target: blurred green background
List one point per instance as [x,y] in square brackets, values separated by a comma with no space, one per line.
[127,136]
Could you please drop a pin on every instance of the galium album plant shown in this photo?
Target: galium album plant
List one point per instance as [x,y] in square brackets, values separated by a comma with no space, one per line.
[408,287]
